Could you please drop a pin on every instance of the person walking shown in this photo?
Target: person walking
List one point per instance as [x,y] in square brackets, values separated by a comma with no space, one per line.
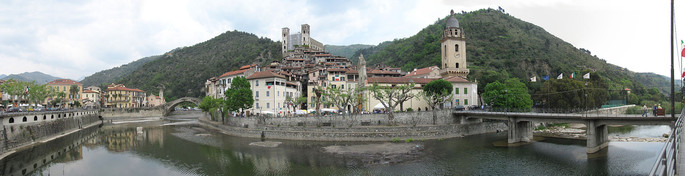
[654,110]
[644,110]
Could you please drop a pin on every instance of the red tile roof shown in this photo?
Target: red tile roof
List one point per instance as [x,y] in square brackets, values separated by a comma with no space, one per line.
[264,74]
[422,71]
[399,80]
[123,89]
[64,81]
[231,73]
[456,79]
[247,66]
[336,70]
[383,72]
[402,80]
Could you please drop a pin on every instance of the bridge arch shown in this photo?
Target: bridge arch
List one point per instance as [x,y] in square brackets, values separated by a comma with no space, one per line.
[169,106]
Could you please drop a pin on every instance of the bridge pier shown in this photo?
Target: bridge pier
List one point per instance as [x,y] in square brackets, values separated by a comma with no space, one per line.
[597,136]
[519,131]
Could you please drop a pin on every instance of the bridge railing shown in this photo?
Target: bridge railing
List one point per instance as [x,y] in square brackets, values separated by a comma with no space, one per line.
[666,162]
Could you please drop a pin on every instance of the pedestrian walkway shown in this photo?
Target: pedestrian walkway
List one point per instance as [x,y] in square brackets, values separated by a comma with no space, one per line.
[679,162]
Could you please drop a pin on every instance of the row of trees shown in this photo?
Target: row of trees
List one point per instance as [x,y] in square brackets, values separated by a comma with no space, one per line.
[238,97]
[36,93]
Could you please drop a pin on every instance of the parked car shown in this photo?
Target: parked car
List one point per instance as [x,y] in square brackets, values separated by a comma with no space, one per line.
[39,109]
[15,110]
[459,108]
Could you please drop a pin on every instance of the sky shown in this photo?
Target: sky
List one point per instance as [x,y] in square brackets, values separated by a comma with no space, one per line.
[76,38]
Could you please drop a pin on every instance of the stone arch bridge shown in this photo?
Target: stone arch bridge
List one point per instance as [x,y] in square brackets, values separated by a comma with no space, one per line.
[169,106]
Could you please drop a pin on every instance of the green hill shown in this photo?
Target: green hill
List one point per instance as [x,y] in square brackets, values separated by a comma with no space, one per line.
[345,51]
[39,77]
[498,43]
[183,71]
[114,74]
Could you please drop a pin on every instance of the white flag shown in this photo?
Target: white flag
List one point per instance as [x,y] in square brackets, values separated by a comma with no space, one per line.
[586,76]
[560,76]
[533,79]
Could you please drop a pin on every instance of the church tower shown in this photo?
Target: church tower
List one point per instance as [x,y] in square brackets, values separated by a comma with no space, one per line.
[361,70]
[453,47]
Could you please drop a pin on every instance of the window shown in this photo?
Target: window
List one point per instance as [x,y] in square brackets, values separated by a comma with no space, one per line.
[256,94]
[333,86]
[466,90]
[256,83]
[279,105]
[445,51]
[456,90]
[456,48]
[256,105]
[342,79]
[457,65]
[342,86]
[466,101]
[267,94]
[267,105]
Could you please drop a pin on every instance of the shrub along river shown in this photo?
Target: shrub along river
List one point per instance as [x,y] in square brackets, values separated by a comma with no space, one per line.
[157,148]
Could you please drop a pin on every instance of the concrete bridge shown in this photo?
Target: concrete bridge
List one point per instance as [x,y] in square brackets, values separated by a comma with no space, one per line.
[521,124]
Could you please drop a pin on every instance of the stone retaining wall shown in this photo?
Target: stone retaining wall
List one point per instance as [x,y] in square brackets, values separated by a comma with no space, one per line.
[17,132]
[402,119]
[118,113]
[358,133]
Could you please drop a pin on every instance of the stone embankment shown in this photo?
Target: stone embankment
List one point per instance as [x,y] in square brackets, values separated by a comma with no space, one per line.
[575,133]
[23,129]
[363,128]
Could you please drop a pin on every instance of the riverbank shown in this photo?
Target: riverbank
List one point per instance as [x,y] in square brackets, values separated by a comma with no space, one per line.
[577,131]
[356,133]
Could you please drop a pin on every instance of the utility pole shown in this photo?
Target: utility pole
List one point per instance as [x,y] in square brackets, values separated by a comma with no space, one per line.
[672,82]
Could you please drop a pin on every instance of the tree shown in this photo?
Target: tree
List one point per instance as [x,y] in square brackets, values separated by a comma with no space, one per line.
[15,89]
[239,96]
[344,99]
[211,105]
[388,96]
[73,92]
[38,93]
[512,95]
[436,93]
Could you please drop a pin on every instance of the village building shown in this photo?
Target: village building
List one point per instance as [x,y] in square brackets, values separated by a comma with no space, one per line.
[270,91]
[64,85]
[119,96]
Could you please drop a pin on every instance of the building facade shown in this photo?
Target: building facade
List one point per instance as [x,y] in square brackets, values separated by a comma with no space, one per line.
[119,96]
[65,86]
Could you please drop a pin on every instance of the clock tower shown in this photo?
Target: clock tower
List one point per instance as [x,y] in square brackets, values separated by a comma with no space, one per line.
[453,47]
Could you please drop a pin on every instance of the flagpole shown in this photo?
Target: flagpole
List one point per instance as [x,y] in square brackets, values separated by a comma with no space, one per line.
[672,82]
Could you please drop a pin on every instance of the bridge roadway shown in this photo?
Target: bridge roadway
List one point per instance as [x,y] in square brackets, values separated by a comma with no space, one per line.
[521,125]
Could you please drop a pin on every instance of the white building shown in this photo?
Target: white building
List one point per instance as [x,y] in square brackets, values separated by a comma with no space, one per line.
[270,91]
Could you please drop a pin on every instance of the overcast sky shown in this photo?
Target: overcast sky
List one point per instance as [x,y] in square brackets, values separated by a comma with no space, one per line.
[74,39]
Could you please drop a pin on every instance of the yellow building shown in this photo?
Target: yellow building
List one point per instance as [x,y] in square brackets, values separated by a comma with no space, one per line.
[64,85]
[118,96]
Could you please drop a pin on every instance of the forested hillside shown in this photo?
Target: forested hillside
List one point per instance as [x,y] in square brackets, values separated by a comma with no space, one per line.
[345,51]
[114,74]
[183,72]
[501,46]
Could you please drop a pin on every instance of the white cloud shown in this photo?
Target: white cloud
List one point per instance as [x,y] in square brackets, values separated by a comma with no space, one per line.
[77,38]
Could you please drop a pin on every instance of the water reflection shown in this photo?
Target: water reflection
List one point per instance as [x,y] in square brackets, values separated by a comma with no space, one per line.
[191,150]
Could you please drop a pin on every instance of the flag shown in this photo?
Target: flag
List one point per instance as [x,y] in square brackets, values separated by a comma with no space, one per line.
[586,76]
[573,75]
[546,77]
[682,53]
[560,76]
[683,76]
[533,79]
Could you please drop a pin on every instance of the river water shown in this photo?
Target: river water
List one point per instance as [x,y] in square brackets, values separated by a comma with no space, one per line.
[152,148]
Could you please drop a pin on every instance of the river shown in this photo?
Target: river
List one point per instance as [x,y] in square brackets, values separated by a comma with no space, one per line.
[152,148]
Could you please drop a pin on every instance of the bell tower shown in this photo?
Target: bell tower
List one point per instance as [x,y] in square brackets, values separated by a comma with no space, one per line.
[453,47]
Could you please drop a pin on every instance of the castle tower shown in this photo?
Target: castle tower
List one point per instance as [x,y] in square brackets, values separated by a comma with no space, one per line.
[453,47]
[305,35]
[284,44]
